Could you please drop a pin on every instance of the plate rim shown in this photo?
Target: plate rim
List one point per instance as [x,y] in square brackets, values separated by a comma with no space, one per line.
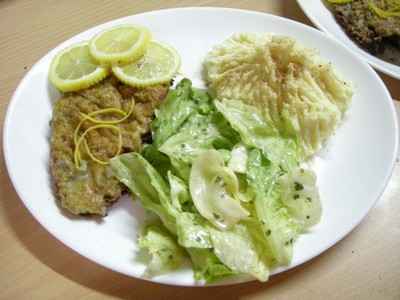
[365,55]
[12,104]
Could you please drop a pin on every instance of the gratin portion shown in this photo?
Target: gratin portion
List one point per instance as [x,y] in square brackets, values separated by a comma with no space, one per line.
[297,92]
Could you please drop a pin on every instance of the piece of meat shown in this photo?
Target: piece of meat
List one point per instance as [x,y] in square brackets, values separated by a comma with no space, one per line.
[379,36]
[354,18]
[92,187]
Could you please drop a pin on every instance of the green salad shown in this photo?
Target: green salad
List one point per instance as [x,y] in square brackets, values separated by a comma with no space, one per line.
[231,189]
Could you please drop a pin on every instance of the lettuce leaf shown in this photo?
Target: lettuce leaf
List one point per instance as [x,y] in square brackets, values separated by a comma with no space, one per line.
[207,266]
[238,161]
[178,192]
[157,159]
[256,132]
[226,184]
[165,254]
[191,227]
[173,112]
[280,228]
[300,196]
[144,181]
[236,249]
[202,101]
[192,231]
[169,203]
[215,190]
[197,134]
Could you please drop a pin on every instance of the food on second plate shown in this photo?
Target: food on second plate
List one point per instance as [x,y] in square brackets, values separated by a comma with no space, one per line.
[107,112]
[298,92]
[373,24]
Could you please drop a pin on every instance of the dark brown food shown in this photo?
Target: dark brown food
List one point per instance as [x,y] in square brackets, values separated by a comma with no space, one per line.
[92,188]
[379,36]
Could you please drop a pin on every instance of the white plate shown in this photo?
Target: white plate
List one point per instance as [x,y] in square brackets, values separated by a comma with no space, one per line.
[320,15]
[352,173]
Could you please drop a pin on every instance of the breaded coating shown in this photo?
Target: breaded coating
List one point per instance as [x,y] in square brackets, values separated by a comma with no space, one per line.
[92,188]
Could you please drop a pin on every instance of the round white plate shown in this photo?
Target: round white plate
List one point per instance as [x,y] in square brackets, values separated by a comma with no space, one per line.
[352,172]
[320,15]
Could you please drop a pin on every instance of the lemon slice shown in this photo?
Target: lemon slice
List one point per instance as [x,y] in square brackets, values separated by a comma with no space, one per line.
[120,44]
[74,69]
[158,65]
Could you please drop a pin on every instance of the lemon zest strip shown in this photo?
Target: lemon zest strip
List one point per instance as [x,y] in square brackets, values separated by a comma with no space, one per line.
[86,117]
[394,12]
[95,113]
[82,138]
[97,121]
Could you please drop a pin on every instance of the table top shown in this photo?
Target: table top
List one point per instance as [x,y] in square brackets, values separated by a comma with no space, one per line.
[34,265]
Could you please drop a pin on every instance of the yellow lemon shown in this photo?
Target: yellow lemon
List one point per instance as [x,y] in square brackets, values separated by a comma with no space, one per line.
[159,64]
[74,69]
[120,44]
